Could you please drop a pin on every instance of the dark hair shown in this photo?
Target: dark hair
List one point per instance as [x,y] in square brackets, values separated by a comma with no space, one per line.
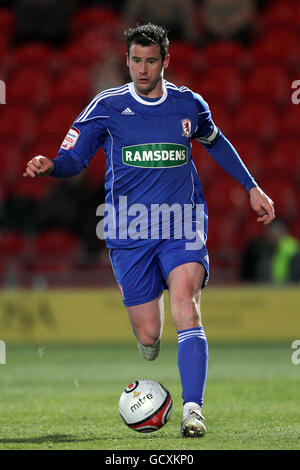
[146,35]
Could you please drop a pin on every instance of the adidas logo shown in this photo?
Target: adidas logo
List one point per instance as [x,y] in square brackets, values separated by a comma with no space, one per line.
[127,111]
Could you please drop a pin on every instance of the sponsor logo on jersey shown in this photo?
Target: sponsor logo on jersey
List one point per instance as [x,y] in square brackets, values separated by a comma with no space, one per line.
[187,127]
[155,155]
[71,138]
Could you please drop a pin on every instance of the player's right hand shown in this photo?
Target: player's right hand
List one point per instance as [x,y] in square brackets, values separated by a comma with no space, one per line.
[38,166]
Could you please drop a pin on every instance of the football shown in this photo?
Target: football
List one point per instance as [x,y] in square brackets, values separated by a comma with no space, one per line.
[145,405]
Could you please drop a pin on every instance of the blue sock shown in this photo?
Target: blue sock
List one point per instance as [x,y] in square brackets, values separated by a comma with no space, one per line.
[192,363]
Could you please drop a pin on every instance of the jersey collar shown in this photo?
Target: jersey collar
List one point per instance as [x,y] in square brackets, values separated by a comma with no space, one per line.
[148,103]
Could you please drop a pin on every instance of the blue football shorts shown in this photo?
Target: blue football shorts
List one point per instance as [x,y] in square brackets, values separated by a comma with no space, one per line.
[142,272]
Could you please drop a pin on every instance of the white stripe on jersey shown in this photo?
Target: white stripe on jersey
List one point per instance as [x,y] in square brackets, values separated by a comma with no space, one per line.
[104,94]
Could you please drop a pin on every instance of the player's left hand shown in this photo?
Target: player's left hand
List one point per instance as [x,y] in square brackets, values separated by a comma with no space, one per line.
[262,205]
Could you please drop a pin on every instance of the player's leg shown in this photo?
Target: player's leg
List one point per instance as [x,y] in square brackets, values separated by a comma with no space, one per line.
[139,278]
[185,283]
[147,322]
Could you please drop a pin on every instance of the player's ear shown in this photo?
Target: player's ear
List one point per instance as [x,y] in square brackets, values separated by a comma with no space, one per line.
[127,59]
[166,61]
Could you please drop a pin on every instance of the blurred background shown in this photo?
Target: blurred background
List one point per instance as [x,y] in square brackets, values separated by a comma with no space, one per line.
[242,57]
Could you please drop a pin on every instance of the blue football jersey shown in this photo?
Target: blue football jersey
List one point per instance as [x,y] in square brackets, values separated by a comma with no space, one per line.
[147,143]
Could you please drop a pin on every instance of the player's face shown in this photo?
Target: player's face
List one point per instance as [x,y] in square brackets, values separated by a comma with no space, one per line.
[146,69]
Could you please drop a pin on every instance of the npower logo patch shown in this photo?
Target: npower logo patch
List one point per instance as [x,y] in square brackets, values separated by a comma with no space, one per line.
[155,155]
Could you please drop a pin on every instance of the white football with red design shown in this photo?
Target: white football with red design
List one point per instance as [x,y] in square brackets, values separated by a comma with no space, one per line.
[145,405]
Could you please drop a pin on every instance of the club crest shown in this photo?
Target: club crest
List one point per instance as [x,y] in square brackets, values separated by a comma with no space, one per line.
[187,127]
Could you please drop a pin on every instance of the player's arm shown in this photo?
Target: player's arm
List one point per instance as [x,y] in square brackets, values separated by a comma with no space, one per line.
[63,165]
[78,147]
[224,153]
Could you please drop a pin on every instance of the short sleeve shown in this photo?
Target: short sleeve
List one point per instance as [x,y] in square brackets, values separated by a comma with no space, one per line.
[87,134]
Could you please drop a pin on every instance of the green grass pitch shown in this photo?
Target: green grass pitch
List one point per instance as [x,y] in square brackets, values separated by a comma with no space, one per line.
[66,397]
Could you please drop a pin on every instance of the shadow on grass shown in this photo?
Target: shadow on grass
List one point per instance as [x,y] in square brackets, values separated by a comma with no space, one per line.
[56,438]
[48,438]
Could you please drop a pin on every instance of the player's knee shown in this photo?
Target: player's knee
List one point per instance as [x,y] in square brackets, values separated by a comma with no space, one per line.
[148,335]
[148,340]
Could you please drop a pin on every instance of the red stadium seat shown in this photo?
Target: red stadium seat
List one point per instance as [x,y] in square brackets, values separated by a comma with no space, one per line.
[223,242]
[56,242]
[283,191]
[101,17]
[7,21]
[224,52]
[280,14]
[16,123]
[88,48]
[207,168]
[222,83]
[280,45]
[33,54]
[252,154]
[54,266]
[72,86]
[46,147]
[27,188]
[220,116]
[29,86]
[255,120]
[226,196]
[95,173]
[10,159]
[267,83]
[290,122]
[7,26]
[56,122]
[284,158]
[11,243]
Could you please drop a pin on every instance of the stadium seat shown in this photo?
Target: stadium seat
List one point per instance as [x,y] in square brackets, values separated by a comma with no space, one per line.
[56,122]
[280,14]
[11,243]
[224,52]
[289,123]
[222,83]
[33,54]
[7,21]
[7,26]
[10,160]
[268,83]
[46,147]
[252,154]
[16,123]
[56,243]
[88,48]
[95,173]
[219,115]
[283,191]
[27,188]
[29,86]
[255,120]
[280,45]
[54,266]
[226,196]
[95,17]
[284,158]
[73,85]
[207,168]
[223,242]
